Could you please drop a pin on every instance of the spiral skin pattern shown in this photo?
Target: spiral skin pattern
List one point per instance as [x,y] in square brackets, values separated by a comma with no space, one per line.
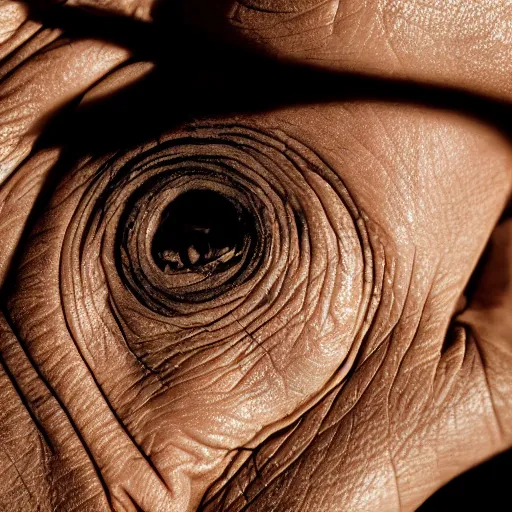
[225,273]
[301,244]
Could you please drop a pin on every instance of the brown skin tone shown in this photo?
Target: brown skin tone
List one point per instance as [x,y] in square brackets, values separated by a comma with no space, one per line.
[464,44]
[342,367]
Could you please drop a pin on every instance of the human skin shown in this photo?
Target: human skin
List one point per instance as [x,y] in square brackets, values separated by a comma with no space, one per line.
[323,353]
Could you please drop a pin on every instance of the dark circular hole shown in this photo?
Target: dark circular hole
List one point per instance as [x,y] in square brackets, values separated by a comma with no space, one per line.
[200,231]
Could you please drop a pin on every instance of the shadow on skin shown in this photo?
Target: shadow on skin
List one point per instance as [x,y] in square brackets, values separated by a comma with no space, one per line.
[209,80]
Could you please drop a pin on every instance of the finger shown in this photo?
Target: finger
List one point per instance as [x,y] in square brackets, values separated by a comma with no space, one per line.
[15,28]
[467,45]
[17,198]
[44,464]
[464,43]
[138,9]
[45,84]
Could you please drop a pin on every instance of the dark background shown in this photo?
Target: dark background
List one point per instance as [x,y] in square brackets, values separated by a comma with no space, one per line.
[487,488]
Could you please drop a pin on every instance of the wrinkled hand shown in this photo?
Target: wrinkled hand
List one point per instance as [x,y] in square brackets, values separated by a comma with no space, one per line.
[241,282]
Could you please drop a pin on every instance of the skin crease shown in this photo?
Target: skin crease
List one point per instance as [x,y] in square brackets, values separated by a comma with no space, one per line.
[460,44]
[374,394]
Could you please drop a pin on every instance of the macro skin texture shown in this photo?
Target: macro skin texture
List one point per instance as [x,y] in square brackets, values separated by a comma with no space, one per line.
[462,44]
[222,293]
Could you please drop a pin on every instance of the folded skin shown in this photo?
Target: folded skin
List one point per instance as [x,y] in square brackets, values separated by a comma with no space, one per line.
[318,335]
[464,44]
[458,43]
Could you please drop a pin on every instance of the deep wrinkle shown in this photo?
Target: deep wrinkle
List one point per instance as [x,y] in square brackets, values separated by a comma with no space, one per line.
[328,337]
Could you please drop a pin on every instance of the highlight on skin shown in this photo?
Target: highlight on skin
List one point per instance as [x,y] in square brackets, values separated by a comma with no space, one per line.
[222,293]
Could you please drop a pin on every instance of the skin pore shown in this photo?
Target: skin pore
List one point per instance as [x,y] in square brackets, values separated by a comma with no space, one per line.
[237,239]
